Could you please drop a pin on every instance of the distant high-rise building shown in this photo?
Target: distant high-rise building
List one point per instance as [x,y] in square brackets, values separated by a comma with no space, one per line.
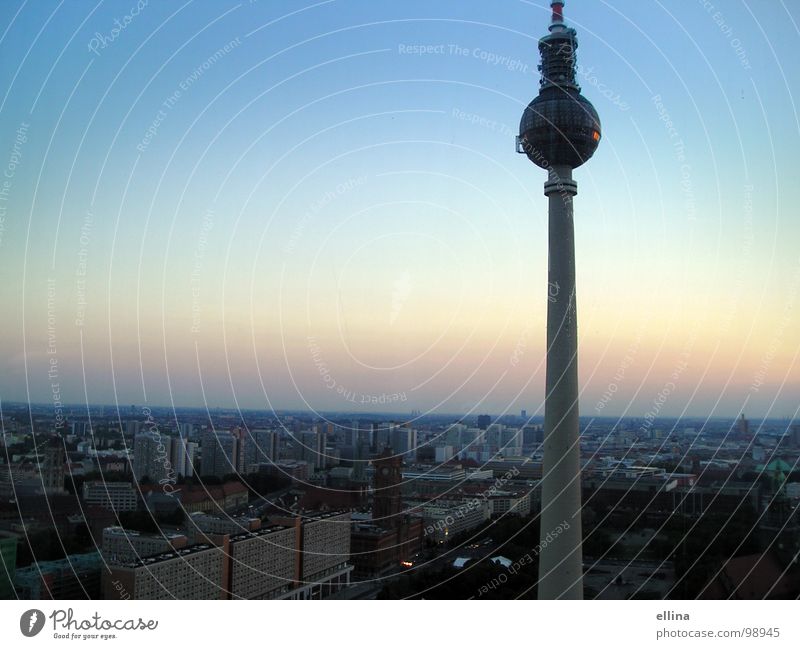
[469,438]
[53,469]
[311,447]
[523,414]
[452,435]
[182,453]
[151,457]
[744,426]
[260,447]
[219,454]
[444,453]
[132,427]
[78,428]
[269,442]
[382,435]
[177,454]
[186,430]
[404,440]
[349,434]
[239,445]
[361,453]
[492,434]
[192,464]
[532,435]
[510,442]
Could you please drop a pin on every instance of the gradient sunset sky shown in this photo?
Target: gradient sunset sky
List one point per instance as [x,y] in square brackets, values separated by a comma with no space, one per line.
[290,205]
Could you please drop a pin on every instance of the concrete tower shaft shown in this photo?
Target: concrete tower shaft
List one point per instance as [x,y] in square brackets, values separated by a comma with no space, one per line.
[560,130]
[560,561]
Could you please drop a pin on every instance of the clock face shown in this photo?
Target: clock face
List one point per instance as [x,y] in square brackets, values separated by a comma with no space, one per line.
[385,471]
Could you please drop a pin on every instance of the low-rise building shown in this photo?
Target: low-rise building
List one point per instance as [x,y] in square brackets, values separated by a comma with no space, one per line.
[203,498]
[194,572]
[8,562]
[510,502]
[75,577]
[114,496]
[376,549]
[124,546]
[263,563]
[297,470]
[306,559]
[326,544]
[446,519]
[202,523]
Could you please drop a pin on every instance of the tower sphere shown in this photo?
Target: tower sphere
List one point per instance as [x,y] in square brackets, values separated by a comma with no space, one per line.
[560,126]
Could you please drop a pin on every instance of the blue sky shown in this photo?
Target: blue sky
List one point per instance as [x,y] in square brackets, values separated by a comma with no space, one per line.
[216,184]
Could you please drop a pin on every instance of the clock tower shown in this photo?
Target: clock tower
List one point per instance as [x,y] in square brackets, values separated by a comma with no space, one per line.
[387,500]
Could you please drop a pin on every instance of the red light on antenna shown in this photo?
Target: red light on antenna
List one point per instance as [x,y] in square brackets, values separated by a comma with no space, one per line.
[558,12]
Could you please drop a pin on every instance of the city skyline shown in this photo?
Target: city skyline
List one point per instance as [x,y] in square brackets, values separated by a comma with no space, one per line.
[244,205]
[435,509]
[81,411]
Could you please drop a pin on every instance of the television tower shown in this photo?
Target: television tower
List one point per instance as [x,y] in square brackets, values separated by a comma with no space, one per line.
[559,131]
